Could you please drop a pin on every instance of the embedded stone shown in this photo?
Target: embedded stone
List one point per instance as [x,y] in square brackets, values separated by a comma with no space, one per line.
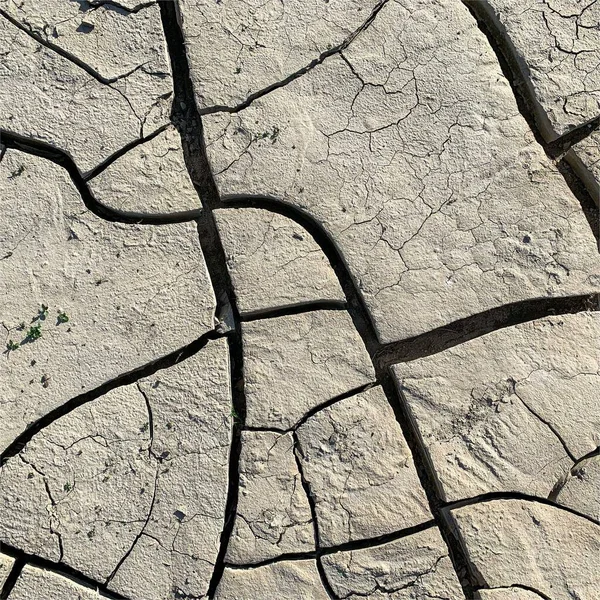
[360,471]
[273,261]
[273,515]
[294,363]
[508,411]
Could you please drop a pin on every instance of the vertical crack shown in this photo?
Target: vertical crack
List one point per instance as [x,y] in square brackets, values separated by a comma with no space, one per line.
[186,118]
[313,513]
[558,148]
[363,323]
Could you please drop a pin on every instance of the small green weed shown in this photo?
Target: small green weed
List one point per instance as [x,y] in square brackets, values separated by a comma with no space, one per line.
[34,333]
[62,317]
[10,346]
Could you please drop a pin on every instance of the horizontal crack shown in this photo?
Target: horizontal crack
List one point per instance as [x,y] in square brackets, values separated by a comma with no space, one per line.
[362,544]
[293,309]
[519,586]
[132,376]
[491,496]
[114,4]
[463,330]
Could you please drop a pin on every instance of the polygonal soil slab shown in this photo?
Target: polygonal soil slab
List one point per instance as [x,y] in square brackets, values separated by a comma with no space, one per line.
[116,296]
[411,568]
[294,363]
[81,490]
[580,488]
[409,148]
[273,261]
[191,420]
[558,46]
[236,49]
[149,179]
[511,410]
[542,548]
[360,471]
[136,477]
[35,583]
[91,94]
[288,580]
[273,514]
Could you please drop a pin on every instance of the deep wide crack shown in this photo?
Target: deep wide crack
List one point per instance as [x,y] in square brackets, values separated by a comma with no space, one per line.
[518,75]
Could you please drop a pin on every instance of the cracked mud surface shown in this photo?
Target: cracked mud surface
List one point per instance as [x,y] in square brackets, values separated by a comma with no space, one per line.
[300,300]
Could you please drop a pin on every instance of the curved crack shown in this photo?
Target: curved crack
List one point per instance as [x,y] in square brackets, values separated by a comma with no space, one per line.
[307,68]
[491,496]
[68,55]
[23,559]
[517,74]
[63,159]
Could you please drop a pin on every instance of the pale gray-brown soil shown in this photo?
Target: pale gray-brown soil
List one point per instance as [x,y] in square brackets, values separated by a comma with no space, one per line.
[299,299]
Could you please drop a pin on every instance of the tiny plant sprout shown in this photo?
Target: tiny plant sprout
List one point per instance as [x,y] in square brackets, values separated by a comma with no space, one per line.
[34,333]
[62,317]
[11,345]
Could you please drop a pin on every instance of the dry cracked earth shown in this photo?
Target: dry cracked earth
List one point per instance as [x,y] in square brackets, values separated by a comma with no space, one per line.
[300,299]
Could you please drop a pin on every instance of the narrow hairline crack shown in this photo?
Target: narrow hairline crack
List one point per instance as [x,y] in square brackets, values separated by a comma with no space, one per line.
[220,108]
[68,55]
